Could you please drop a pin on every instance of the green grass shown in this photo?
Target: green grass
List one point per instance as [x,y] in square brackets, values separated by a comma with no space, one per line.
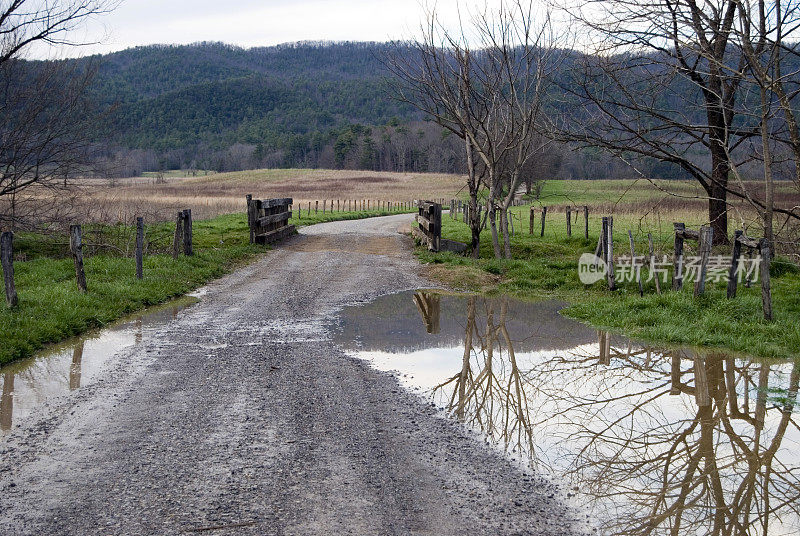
[51,308]
[547,267]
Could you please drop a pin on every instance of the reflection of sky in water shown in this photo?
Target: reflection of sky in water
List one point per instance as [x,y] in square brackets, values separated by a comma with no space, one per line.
[29,383]
[604,427]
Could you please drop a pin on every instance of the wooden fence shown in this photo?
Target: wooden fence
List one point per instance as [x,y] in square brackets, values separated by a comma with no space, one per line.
[268,219]
[182,242]
[306,208]
[429,219]
[761,246]
[572,214]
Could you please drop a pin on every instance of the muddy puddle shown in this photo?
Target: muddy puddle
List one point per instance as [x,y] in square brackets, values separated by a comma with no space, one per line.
[59,369]
[644,440]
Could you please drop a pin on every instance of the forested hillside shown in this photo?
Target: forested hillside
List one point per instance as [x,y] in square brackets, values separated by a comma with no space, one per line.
[215,106]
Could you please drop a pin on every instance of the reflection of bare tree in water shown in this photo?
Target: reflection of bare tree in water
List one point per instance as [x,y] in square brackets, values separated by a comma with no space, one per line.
[666,443]
[490,393]
[429,305]
[704,463]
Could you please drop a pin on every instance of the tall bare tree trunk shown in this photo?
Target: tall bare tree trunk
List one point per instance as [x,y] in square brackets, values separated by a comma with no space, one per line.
[717,192]
[474,218]
[491,211]
[504,231]
[769,201]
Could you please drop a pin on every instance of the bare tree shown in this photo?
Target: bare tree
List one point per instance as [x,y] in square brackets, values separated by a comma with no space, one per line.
[45,125]
[43,113]
[485,83]
[761,30]
[24,23]
[665,84]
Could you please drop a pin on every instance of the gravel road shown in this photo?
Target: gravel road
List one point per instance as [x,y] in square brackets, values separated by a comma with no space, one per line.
[241,416]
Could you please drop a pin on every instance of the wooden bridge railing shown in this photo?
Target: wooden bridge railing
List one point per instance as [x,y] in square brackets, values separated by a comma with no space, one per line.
[268,219]
[429,219]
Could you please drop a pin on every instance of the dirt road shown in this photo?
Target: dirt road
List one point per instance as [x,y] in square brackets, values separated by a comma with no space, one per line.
[242,417]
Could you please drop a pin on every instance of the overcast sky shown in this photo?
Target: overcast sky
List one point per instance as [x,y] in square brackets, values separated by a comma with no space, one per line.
[258,22]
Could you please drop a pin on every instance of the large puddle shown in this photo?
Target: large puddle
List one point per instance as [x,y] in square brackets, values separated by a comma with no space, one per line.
[646,440]
[29,383]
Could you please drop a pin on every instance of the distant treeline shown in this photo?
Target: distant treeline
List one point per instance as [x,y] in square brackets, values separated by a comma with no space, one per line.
[224,108]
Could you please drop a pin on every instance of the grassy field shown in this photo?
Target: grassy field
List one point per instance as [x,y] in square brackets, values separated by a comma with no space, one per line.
[51,308]
[547,267]
[224,193]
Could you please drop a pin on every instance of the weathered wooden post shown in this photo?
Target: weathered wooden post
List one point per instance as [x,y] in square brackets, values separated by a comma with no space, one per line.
[530,221]
[733,272]
[612,285]
[677,273]
[706,237]
[76,247]
[602,245]
[316,207]
[250,218]
[324,205]
[187,233]
[139,247]
[636,268]
[569,221]
[7,262]
[437,218]
[586,222]
[178,238]
[653,263]
[765,251]
[544,215]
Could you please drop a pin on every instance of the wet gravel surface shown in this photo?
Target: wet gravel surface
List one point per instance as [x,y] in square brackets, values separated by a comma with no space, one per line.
[242,417]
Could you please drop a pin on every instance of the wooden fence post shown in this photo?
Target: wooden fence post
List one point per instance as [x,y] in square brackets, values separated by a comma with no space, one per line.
[733,272]
[178,239]
[139,247]
[602,244]
[677,273]
[544,215]
[706,238]
[765,251]
[569,221]
[250,217]
[76,247]
[532,216]
[610,259]
[637,269]
[187,232]
[7,261]
[653,263]
[586,222]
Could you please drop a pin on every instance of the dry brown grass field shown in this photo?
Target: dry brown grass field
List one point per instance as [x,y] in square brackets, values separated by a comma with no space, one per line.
[642,204]
[224,193]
